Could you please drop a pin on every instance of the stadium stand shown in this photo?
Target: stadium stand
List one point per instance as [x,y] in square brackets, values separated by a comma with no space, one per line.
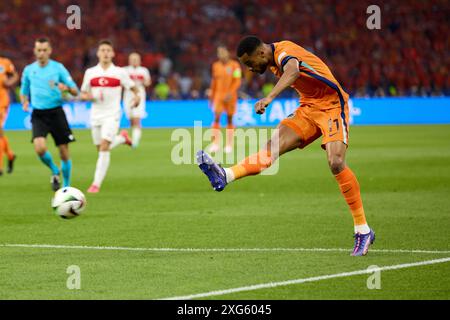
[407,57]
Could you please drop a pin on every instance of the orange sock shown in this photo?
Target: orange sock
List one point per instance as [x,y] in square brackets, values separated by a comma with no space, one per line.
[350,190]
[252,165]
[7,149]
[230,135]
[215,132]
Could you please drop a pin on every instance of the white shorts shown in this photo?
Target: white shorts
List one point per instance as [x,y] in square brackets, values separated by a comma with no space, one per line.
[105,130]
[139,111]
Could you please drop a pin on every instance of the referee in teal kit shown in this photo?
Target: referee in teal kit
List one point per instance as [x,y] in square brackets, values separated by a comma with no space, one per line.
[43,82]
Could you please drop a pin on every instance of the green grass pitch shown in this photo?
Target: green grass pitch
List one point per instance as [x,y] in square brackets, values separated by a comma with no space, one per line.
[148,202]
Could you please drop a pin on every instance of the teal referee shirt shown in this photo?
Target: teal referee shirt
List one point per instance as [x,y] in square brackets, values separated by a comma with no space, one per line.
[41,84]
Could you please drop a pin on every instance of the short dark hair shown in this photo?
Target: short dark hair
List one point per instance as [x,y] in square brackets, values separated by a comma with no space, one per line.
[106,41]
[248,45]
[43,40]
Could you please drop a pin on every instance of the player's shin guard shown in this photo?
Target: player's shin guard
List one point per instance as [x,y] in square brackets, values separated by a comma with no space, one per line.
[66,168]
[251,165]
[47,159]
[101,167]
[230,135]
[350,190]
[136,134]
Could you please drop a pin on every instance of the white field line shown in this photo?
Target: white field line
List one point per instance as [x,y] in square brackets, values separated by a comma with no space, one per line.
[54,246]
[311,279]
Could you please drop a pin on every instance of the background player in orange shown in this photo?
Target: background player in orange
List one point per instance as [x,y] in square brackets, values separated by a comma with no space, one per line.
[323,111]
[226,80]
[8,78]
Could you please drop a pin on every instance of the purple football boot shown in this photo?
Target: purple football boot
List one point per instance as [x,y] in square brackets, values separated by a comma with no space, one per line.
[214,172]
[362,243]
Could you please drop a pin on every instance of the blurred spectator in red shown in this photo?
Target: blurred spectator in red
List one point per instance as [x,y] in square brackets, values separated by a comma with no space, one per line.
[407,56]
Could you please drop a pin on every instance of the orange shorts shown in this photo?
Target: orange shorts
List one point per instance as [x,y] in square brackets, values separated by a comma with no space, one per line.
[310,123]
[3,115]
[229,107]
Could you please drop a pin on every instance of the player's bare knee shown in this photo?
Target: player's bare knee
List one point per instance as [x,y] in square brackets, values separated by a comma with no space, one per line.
[336,163]
[135,122]
[40,152]
[39,147]
[104,145]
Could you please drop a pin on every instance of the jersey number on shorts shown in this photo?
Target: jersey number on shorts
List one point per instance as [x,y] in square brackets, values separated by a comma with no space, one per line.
[330,125]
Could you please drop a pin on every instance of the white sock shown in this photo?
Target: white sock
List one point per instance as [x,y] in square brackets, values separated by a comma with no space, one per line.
[118,140]
[362,228]
[136,133]
[229,175]
[102,167]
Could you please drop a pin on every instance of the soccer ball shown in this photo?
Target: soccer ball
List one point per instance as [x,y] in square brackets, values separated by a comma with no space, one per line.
[68,202]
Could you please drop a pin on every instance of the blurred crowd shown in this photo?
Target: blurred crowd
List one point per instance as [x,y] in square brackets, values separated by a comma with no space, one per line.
[408,56]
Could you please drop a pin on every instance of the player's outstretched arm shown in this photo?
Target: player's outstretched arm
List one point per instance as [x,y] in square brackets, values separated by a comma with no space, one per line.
[290,74]
[66,82]
[86,96]
[72,90]
[85,90]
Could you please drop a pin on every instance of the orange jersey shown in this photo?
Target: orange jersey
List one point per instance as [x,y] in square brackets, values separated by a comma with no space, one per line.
[6,69]
[316,85]
[226,79]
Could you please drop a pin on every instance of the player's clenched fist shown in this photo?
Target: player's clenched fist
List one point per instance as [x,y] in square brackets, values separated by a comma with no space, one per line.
[87,96]
[261,105]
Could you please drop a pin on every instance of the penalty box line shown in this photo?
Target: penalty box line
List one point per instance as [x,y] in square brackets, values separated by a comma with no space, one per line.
[112,248]
[304,280]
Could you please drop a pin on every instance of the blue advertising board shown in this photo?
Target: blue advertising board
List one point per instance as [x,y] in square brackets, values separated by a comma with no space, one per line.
[175,114]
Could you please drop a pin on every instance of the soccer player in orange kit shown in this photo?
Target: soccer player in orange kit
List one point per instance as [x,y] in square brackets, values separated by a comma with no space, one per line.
[8,78]
[226,80]
[323,112]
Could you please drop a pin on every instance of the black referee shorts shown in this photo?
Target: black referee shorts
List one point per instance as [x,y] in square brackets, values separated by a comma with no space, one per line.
[51,121]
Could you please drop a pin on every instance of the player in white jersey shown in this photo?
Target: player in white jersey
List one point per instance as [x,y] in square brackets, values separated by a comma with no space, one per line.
[141,76]
[102,85]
